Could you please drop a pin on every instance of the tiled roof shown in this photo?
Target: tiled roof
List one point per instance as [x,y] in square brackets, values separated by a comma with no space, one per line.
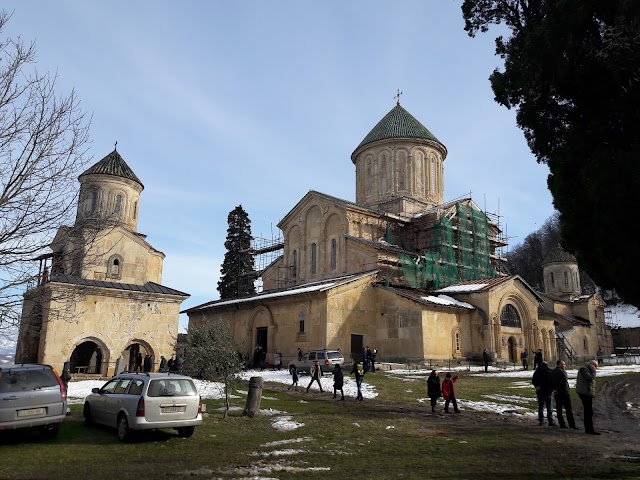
[148,287]
[317,286]
[398,123]
[113,164]
[557,254]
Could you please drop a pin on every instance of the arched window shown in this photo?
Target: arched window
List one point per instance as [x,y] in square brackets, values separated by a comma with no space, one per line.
[586,345]
[135,209]
[294,264]
[566,279]
[457,341]
[553,282]
[334,248]
[94,201]
[301,322]
[314,257]
[118,205]
[509,316]
[114,267]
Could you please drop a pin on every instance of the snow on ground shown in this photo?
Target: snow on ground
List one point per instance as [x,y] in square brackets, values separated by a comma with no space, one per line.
[501,403]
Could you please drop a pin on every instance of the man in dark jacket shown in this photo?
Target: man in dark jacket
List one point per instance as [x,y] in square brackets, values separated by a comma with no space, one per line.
[486,359]
[537,358]
[434,391]
[544,388]
[561,394]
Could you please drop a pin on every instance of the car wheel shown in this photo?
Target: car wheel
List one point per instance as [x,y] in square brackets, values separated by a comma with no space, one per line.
[186,432]
[86,413]
[124,433]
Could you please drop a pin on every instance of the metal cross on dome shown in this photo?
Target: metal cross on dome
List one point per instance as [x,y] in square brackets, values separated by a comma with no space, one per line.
[397,96]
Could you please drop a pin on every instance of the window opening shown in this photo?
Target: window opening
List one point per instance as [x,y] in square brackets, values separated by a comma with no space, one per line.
[509,316]
[334,249]
[118,206]
[314,254]
[301,322]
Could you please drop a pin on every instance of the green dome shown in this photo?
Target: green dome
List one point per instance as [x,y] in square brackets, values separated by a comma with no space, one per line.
[398,123]
[113,164]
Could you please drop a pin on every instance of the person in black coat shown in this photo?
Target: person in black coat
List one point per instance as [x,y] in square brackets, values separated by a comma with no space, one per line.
[138,362]
[338,381]
[561,394]
[434,391]
[148,363]
[544,388]
[537,359]
[486,359]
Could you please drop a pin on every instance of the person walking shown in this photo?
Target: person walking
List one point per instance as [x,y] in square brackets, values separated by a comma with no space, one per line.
[561,395]
[586,390]
[163,364]
[138,362]
[299,354]
[338,381]
[294,377]
[449,392]
[372,358]
[171,364]
[537,359]
[434,391]
[315,373]
[486,359]
[358,370]
[544,388]
[148,363]
[277,361]
[524,358]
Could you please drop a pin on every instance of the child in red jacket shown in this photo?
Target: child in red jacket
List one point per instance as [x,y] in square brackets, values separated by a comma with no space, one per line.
[449,393]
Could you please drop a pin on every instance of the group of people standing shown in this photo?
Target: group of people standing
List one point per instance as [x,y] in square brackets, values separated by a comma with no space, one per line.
[338,378]
[446,390]
[555,382]
[537,359]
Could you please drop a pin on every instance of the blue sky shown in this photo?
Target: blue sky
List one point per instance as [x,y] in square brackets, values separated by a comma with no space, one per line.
[220,103]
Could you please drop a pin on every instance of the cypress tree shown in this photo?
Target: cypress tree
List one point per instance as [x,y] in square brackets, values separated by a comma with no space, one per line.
[236,279]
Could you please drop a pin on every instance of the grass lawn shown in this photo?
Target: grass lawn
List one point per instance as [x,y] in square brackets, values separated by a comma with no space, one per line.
[391,436]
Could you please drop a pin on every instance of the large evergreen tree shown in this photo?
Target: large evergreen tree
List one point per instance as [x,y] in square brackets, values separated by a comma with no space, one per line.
[572,71]
[236,279]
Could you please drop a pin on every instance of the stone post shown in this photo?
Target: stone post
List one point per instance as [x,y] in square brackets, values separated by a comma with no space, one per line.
[254,397]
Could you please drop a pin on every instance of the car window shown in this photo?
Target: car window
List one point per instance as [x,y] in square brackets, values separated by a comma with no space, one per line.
[322,355]
[334,355]
[312,356]
[110,386]
[122,386]
[26,380]
[136,387]
[171,387]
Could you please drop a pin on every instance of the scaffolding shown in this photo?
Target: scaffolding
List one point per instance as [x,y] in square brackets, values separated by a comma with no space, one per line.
[447,262]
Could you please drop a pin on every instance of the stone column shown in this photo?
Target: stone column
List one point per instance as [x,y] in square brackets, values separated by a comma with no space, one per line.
[254,397]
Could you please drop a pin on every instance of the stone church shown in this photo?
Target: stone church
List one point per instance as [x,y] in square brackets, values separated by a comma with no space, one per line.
[98,302]
[405,272]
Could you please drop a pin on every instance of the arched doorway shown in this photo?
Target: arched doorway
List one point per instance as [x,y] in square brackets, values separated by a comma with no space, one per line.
[512,350]
[88,357]
[136,356]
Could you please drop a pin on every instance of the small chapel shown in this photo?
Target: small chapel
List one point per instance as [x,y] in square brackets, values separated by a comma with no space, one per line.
[98,302]
[406,272]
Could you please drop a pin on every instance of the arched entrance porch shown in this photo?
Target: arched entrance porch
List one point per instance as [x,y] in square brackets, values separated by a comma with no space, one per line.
[138,356]
[90,357]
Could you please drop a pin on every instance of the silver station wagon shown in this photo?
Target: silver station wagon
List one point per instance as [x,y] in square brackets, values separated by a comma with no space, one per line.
[145,401]
[32,396]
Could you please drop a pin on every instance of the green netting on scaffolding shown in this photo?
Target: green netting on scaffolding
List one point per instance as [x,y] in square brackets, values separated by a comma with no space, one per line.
[482,250]
[473,243]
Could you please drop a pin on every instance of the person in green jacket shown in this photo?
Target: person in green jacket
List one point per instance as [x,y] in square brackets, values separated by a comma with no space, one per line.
[586,390]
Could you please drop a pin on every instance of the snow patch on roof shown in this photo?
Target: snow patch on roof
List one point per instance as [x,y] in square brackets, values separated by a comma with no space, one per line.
[447,300]
[464,288]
